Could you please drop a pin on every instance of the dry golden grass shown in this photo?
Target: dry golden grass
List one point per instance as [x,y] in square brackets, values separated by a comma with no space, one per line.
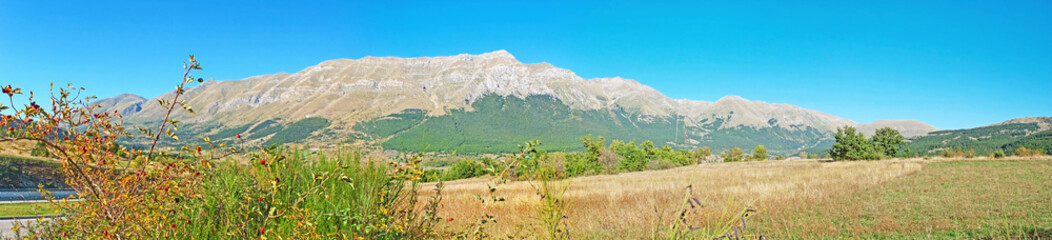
[635,205]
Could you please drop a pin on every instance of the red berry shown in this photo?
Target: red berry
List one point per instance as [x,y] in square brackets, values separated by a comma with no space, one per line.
[173,225]
[262,162]
[10,128]
[260,199]
[238,136]
[449,220]
[262,230]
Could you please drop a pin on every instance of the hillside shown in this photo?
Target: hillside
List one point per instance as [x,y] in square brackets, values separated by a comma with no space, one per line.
[441,96]
[1031,132]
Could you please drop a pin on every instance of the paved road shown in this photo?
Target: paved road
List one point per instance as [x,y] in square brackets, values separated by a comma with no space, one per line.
[31,194]
[6,225]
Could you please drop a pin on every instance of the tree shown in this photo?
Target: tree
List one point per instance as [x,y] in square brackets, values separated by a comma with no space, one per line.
[852,145]
[888,140]
[732,155]
[701,154]
[649,148]
[759,153]
[592,147]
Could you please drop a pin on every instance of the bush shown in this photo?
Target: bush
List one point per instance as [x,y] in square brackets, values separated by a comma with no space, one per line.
[997,154]
[759,153]
[465,168]
[632,157]
[732,155]
[1023,152]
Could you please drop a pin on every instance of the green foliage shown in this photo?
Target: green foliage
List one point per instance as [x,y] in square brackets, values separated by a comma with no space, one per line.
[39,150]
[633,157]
[231,132]
[888,140]
[1040,141]
[732,155]
[998,154]
[578,164]
[264,129]
[593,146]
[498,124]
[298,130]
[465,168]
[392,124]
[775,139]
[759,153]
[701,154]
[1006,137]
[852,145]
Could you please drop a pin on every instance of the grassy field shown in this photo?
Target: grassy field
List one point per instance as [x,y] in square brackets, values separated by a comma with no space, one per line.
[26,209]
[946,200]
[795,199]
[638,205]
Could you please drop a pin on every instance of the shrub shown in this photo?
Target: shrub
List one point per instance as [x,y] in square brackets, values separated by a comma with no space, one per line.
[759,153]
[701,154]
[997,153]
[1024,152]
[632,157]
[465,168]
[732,155]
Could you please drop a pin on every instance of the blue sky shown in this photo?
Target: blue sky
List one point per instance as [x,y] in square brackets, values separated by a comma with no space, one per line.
[953,64]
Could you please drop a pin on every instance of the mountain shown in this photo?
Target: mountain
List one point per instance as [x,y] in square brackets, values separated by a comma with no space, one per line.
[1030,132]
[414,103]
[908,128]
[125,104]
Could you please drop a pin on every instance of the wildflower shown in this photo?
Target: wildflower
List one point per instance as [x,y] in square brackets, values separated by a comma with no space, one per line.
[260,199]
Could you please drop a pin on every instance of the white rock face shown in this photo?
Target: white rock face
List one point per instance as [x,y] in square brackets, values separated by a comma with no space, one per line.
[354,90]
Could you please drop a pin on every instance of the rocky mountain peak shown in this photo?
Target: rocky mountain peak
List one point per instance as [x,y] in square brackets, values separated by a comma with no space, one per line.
[349,91]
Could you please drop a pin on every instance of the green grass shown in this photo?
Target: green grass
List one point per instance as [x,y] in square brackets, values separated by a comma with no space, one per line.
[946,200]
[27,209]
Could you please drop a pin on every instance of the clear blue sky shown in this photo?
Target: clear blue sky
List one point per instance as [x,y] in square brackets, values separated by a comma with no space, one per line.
[952,64]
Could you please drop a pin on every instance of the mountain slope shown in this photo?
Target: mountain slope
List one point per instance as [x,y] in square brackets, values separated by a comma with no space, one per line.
[908,128]
[350,93]
[1031,132]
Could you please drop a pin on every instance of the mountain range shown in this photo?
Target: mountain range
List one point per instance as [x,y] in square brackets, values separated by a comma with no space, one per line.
[480,103]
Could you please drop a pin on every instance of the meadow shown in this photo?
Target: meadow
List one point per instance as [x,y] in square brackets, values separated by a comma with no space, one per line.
[230,190]
[912,198]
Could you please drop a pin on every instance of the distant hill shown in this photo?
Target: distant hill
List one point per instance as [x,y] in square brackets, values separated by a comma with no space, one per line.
[477,103]
[908,128]
[1031,132]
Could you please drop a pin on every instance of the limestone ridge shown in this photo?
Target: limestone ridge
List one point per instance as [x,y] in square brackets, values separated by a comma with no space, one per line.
[349,91]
